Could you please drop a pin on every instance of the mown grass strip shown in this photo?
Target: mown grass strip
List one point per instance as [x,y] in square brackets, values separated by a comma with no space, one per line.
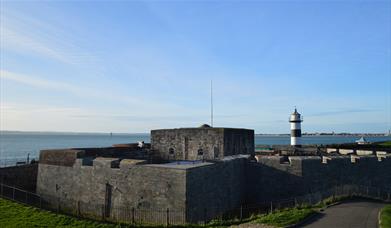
[385,217]
[388,143]
[17,215]
[285,217]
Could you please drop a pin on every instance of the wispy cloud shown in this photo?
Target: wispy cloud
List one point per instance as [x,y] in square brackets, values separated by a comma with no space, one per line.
[154,117]
[341,112]
[31,36]
[37,82]
[143,105]
[65,87]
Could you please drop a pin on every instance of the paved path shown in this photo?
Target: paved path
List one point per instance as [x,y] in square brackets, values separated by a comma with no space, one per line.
[354,214]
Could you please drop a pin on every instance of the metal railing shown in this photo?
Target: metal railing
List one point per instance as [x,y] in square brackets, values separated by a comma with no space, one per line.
[169,216]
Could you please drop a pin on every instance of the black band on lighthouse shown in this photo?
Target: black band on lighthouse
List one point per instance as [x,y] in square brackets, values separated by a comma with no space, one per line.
[296,133]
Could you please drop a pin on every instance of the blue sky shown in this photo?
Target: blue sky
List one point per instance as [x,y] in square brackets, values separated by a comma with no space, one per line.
[132,66]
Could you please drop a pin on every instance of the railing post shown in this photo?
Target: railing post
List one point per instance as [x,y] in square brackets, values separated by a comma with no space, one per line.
[103,212]
[168,217]
[13,193]
[241,212]
[1,189]
[58,205]
[78,209]
[40,202]
[271,206]
[26,198]
[133,213]
[204,216]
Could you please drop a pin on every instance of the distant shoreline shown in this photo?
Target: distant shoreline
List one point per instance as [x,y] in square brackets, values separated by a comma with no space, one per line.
[114,133]
[67,133]
[332,134]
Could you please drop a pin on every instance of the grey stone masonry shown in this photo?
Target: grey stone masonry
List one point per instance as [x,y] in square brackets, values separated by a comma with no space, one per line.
[211,171]
[201,143]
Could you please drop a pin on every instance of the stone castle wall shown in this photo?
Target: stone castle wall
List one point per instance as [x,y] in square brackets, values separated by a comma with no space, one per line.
[216,188]
[183,144]
[208,188]
[130,185]
[215,143]
[274,178]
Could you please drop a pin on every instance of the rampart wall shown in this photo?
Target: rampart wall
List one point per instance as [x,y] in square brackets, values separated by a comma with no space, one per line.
[201,190]
[115,184]
[275,177]
[215,188]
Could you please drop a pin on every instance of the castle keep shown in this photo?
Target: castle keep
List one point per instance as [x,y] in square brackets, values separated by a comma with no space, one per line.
[190,170]
[204,142]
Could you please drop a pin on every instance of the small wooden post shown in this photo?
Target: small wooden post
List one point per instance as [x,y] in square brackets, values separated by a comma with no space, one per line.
[271,207]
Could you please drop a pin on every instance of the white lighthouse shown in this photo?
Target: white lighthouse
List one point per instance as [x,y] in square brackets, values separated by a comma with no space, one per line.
[295,121]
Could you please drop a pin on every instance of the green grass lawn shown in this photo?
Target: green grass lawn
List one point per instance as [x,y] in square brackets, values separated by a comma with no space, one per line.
[285,217]
[388,143]
[17,215]
[386,217]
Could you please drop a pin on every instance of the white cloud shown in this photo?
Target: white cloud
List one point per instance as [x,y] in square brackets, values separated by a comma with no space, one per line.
[30,36]
[65,87]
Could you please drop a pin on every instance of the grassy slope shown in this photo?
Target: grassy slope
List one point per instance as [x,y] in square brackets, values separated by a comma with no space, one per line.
[388,143]
[386,217]
[285,217]
[17,215]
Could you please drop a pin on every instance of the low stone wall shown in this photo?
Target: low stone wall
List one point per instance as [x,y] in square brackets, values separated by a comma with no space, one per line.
[23,176]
